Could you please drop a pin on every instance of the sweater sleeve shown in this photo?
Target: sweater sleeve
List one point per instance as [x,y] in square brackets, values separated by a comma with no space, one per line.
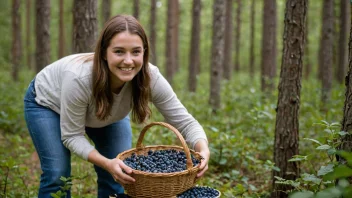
[74,102]
[167,103]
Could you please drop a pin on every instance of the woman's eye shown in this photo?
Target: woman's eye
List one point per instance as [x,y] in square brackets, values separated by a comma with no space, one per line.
[119,52]
[136,52]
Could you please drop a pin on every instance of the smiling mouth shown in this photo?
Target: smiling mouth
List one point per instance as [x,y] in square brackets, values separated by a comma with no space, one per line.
[126,68]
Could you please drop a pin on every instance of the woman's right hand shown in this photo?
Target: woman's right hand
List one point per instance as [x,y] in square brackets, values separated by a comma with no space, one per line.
[119,171]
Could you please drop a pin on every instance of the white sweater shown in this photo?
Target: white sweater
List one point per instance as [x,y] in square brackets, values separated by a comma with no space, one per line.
[65,86]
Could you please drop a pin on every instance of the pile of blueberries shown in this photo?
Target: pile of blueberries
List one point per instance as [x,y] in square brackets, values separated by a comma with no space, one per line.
[160,161]
[199,191]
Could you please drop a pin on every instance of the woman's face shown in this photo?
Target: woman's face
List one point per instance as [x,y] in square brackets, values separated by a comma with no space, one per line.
[124,56]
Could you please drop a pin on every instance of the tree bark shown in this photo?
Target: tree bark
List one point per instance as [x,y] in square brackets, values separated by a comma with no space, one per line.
[84,25]
[171,51]
[251,40]
[153,32]
[268,62]
[228,41]
[327,49]
[346,124]
[28,33]
[106,11]
[194,54]
[176,13]
[42,57]
[16,38]
[217,53]
[238,35]
[287,125]
[136,9]
[343,51]
[62,44]
[307,63]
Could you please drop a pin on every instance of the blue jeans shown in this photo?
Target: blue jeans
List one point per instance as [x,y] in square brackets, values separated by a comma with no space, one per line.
[55,159]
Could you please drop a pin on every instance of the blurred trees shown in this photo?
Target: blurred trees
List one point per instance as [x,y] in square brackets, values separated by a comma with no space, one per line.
[217,53]
[269,45]
[194,56]
[42,31]
[326,50]
[85,25]
[16,39]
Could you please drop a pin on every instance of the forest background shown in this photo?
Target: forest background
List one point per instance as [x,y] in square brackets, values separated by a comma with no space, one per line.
[241,130]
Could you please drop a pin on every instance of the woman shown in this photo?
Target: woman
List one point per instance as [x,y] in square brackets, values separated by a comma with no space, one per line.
[91,95]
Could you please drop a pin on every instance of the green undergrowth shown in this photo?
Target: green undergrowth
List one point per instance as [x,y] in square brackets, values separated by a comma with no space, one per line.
[240,134]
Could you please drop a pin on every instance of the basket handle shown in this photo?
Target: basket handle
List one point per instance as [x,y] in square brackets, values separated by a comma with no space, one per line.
[173,129]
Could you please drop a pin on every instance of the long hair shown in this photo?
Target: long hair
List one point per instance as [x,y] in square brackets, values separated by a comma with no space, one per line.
[140,83]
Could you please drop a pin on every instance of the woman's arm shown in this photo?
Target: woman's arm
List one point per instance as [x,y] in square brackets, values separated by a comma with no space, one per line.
[166,101]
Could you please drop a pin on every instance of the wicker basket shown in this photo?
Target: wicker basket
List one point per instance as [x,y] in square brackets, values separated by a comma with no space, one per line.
[163,185]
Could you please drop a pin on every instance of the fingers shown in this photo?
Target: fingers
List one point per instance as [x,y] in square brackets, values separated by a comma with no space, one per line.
[124,167]
[120,173]
[202,169]
[203,164]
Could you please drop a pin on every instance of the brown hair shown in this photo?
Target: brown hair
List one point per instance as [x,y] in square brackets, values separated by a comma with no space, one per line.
[140,83]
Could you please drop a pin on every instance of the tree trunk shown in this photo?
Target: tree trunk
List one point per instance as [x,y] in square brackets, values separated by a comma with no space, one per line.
[106,11]
[268,62]
[152,37]
[217,53]
[346,124]
[84,25]
[62,44]
[170,48]
[136,9]
[287,125]
[327,49]
[307,64]
[16,38]
[176,13]
[343,51]
[194,54]
[28,33]
[238,35]
[42,57]
[251,40]
[228,41]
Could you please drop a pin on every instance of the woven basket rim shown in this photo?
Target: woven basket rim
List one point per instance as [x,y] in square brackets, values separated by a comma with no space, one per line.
[129,152]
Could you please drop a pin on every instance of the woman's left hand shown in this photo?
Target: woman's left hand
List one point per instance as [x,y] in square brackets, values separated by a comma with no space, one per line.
[201,148]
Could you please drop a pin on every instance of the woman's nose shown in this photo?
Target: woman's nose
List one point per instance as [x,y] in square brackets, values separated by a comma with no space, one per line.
[128,59]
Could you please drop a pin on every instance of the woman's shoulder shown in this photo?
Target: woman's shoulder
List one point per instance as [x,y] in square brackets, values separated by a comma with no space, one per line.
[154,70]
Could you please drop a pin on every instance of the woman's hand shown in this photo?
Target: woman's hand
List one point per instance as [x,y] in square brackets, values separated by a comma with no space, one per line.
[201,147]
[119,171]
[115,167]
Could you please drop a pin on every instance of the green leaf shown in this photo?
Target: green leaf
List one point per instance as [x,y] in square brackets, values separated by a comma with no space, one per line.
[223,161]
[54,195]
[329,193]
[214,129]
[298,158]
[335,124]
[342,133]
[311,178]
[324,147]
[332,151]
[325,169]
[313,140]
[341,171]
[346,155]
[275,168]
[304,194]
